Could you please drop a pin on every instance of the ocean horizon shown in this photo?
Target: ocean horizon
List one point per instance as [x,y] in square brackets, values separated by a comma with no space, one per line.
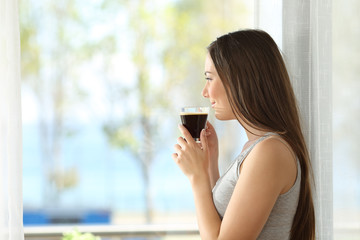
[108,178]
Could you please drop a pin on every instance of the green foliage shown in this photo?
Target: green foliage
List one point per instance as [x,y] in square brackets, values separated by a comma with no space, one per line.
[121,136]
[30,57]
[76,235]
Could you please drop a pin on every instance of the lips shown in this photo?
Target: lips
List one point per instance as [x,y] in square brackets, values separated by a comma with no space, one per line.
[212,104]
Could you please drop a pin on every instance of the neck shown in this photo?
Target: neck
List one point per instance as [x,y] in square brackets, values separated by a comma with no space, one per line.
[253,134]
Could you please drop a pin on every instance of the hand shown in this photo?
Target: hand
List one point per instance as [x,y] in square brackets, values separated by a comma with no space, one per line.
[191,157]
[213,145]
[212,140]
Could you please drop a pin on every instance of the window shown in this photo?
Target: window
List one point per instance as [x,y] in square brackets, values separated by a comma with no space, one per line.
[103,82]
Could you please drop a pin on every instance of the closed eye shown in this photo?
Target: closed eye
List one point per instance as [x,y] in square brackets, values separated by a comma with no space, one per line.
[208,79]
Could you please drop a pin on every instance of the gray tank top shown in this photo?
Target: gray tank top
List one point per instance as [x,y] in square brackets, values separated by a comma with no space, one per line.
[279,223]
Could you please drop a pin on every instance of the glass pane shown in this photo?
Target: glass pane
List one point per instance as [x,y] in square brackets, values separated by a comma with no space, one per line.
[103,83]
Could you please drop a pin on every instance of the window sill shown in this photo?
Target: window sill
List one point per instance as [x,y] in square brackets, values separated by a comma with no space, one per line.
[134,230]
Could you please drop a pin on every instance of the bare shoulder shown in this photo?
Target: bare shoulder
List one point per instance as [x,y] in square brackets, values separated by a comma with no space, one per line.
[268,171]
[274,147]
[273,157]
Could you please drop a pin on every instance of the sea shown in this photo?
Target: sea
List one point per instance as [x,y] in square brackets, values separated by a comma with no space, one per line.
[107,178]
[110,179]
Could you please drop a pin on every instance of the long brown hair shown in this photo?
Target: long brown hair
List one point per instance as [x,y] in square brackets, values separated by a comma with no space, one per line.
[259,90]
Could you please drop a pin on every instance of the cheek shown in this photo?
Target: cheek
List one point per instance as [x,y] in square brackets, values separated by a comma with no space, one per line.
[212,92]
[215,92]
[221,96]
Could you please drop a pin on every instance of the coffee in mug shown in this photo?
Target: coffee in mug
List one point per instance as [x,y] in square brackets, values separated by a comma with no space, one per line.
[194,119]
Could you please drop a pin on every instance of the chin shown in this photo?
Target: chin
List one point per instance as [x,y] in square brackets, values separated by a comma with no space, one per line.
[222,117]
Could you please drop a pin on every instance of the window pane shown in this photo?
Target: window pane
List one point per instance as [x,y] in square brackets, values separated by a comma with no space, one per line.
[103,82]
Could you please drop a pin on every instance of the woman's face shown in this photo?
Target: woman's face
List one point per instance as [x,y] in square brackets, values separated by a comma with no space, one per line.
[215,91]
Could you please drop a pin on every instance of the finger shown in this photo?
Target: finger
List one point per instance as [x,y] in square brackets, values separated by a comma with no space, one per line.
[203,140]
[174,156]
[207,132]
[182,142]
[209,125]
[186,134]
[208,128]
[177,149]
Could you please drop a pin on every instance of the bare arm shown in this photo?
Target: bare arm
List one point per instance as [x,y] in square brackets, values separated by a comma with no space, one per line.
[208,219]
[194,161]
[267,171]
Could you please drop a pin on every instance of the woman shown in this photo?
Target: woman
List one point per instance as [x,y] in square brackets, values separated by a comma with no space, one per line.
[266,192]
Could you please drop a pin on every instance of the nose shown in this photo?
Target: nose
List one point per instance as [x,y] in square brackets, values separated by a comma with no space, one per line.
[204,92]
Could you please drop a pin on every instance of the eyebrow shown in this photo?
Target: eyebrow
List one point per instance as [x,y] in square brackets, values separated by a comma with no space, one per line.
[207,72]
